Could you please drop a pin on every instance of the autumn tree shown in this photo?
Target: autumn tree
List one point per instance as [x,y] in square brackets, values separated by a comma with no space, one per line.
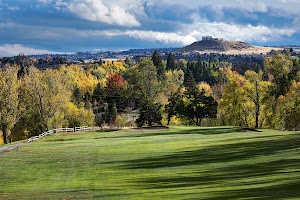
[115,84]
[282,69]
[45,94]
[78,116]
[289,108]
[279,67]
[256,90]
[10,101]
[233,107]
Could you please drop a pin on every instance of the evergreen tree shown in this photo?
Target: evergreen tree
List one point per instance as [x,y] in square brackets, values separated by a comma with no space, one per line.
[170,62]
[158,63]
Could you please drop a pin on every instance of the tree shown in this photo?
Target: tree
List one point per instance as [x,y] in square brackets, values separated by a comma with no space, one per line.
[77,96]
[282,71]
[10,101]
[76,116]
[193,104]
[279,67]
[206,87]
[173,81]
[170,62]
[256,90]
[233,106]
[196,105]
[150,113]
[115,84]
[158,63]
[172,108]
[144,89]
[45,94]
[288,109]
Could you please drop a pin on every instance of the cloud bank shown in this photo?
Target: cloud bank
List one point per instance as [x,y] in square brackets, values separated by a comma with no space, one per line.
[16,49]
[79,25]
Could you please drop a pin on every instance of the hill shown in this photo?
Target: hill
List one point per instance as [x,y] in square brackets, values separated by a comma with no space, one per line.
[215,45]
[179,163]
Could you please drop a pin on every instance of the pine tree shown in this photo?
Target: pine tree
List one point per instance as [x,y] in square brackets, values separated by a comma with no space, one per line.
[170,62]
[158,63]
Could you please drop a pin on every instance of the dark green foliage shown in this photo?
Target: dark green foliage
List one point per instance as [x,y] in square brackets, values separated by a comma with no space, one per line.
[144,88]
[202,71]
[170,62]
[158,63]
[199,106]
[172,109]
[33,124]
[150,114]
[292,121]
[77,96]
[192,105]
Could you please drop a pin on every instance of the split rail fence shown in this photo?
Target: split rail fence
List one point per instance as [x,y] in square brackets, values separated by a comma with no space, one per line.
[63,130]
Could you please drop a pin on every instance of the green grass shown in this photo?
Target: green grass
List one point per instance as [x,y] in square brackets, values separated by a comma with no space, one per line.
[180,163]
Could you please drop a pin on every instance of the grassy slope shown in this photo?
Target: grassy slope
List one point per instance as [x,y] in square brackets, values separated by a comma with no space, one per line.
[182,163]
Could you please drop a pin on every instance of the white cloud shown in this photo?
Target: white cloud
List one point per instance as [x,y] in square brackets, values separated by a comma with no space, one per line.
[16,49]
[287,6]
[186,34]
[164,37]
[192,33]
[13,8]
[101,11]
[247,33]
[44,2]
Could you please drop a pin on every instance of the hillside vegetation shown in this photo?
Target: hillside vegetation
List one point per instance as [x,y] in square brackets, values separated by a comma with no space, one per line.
[179,163]
[151,92]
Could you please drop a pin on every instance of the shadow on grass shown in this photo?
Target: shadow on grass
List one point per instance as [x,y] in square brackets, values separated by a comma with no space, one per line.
[230,174]
[107,130]
[202,131]
[217,153]
[277,192]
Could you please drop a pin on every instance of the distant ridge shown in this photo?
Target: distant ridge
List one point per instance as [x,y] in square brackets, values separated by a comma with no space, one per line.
[214,44]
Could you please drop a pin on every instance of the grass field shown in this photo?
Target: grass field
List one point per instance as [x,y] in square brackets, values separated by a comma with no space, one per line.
[180,163]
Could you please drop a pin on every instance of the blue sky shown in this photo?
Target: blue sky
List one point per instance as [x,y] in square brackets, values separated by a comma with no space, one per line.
[51,26]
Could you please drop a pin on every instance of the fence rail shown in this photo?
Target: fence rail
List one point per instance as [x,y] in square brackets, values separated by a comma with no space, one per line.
[63,130]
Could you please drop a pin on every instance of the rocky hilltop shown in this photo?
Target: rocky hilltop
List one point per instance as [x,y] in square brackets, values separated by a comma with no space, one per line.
[216,45]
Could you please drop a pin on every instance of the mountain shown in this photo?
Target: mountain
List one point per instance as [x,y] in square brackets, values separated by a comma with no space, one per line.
[215,45]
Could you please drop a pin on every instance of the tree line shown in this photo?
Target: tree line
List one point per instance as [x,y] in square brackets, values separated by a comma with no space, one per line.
[161,92]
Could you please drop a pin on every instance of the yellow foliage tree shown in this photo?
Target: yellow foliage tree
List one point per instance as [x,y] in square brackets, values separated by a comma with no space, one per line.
[113,66]
[206,87]
[173,80]
[76,76]
[234,106]
[10,106]
[45,94]
[287,116]
[256,90]
[78,116]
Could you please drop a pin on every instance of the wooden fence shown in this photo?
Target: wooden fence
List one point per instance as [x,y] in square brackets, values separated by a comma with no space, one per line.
[63,130]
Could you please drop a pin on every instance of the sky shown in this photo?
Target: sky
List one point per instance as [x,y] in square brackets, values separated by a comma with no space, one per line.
[62,26]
